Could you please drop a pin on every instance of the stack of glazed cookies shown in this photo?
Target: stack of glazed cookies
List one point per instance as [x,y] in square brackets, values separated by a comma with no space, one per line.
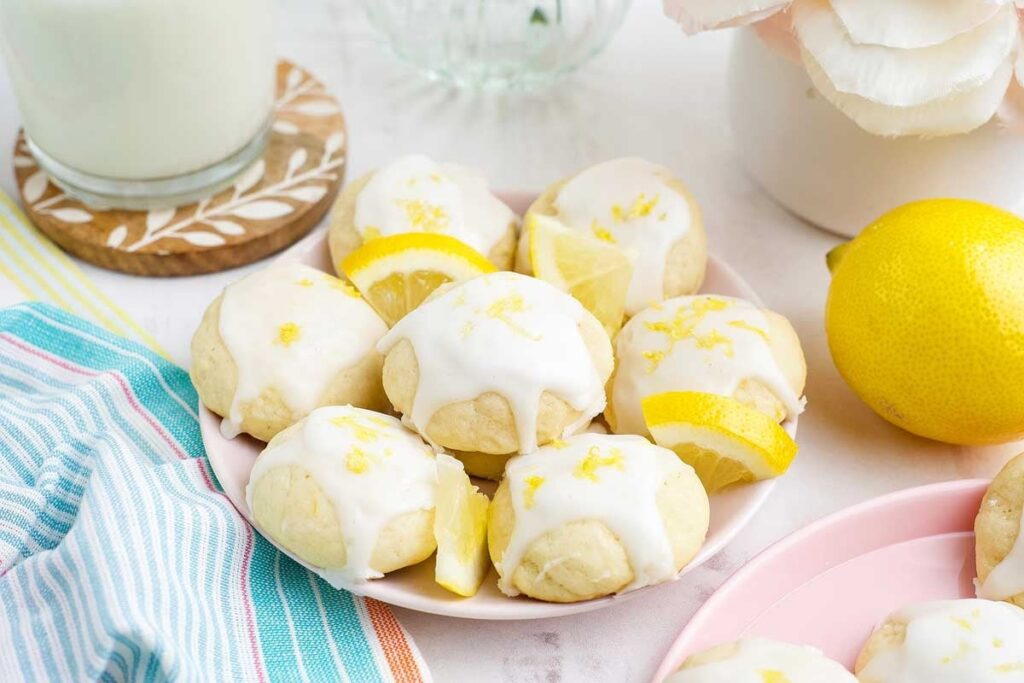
[947,641]
[380,391]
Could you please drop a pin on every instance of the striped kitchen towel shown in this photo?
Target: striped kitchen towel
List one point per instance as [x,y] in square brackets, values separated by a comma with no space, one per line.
[120,559]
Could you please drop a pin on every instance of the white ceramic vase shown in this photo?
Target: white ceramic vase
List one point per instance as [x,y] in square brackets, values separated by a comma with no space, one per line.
[821,166]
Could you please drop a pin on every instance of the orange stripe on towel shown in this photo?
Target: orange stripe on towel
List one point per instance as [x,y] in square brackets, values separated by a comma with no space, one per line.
[393,641]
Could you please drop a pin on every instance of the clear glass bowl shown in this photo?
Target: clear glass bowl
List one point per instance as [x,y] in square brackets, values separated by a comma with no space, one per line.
[497,43]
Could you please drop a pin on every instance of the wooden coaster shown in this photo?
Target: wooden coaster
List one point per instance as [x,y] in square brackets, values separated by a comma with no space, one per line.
[271,205]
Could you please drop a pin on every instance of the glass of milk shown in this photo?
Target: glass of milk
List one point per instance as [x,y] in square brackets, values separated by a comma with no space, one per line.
[141,103]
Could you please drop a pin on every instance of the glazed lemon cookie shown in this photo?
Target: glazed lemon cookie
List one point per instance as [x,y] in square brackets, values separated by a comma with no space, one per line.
[951,641]
[496,365]
[416,194]
[281,342]
[999,547]
[759,660]
[594,515]
[348,490]
[711,344]
[642,208]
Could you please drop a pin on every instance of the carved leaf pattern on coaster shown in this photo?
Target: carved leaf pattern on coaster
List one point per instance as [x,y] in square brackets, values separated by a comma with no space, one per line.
[302,95]
[35,187]
[254,196]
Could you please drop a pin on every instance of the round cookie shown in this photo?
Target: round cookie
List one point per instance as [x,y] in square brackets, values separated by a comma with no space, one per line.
[748,660]
[347,490]
[999,548]
[281,342]
[713,344]
[414,194]
[496,365]
[594,515]
[644,209]
[946,641]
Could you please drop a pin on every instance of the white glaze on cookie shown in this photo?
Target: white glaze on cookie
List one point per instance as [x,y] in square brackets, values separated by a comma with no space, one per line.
[368,465]
[416,194]
[504,333]
[953,641]
[628,202]
[694,343]
[292,328]
[612,479]
[759,660]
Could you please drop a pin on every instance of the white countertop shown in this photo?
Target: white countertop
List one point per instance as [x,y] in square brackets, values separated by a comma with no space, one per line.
[656,94]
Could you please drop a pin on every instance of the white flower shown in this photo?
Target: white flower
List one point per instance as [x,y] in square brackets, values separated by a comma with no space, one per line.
[704,15]
[896,67]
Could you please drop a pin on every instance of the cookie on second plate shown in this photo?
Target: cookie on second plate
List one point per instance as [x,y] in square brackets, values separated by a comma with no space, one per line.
[417,194]
[946,641]
[760,660]
[594,515]
[999,550]
[642,208]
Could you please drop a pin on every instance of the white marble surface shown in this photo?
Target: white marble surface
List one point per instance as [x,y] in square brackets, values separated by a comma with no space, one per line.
[653,93]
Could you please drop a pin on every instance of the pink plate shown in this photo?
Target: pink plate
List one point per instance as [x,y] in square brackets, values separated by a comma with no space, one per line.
[414,587]
[830,583]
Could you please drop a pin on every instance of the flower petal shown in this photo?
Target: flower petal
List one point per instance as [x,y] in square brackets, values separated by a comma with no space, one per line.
[912,23]
[904,78]
[1011,111]
[777,33]
[704,15]
[960,112]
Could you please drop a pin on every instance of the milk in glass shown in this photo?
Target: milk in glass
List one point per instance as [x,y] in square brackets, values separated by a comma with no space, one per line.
[134,90]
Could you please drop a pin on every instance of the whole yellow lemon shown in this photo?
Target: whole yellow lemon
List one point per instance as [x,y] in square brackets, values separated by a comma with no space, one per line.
[925,320]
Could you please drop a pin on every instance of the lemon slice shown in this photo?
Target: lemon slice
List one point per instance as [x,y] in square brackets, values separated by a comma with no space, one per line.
[460,528]
[723,440]
[396,273]
[597,273]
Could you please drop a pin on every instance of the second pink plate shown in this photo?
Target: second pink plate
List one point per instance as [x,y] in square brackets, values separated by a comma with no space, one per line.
[831,583]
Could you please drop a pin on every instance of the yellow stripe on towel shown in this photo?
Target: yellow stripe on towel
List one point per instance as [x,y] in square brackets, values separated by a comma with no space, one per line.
[45,273]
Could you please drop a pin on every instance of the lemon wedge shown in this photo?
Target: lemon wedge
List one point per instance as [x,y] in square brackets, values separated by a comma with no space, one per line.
[460,528]
[723,440]
[595,272]
[396,273]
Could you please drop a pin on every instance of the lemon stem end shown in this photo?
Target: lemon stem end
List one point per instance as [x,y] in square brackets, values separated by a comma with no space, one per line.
[835,255]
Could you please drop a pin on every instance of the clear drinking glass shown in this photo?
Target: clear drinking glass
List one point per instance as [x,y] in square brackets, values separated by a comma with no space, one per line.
[141,103]
[497,43]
